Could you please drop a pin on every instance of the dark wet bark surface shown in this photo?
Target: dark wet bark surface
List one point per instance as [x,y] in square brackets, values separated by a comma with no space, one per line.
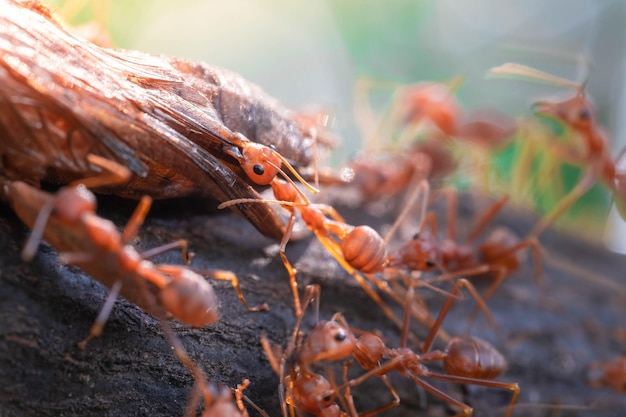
[549,334]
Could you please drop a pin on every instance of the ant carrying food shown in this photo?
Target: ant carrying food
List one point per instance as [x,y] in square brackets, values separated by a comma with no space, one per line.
[179,126]
[358,249]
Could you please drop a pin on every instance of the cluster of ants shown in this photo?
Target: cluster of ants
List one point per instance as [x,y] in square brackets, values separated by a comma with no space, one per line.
[67,218]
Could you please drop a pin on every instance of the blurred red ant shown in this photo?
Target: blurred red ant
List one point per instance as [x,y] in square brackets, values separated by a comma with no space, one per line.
[434,105]
[378,174]
[68,222]
[609,374]
[466,359]
[593,154]
[498,254]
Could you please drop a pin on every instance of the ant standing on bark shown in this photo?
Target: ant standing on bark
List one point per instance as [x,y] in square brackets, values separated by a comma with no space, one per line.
[466,359]
[497,255]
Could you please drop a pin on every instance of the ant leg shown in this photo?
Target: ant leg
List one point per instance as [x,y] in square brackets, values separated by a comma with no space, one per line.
[389,406]
[511,386]
[348,391]
[407,316]
[448,304]
[331,212]
[183,357]
[112,173]
[483,221]
[576,193]
[273,353]
[467,410]
[182,244]
[105,311]
[430,222]
[452,209]
[480,269]
[293,283]
[422,189]
[30,247]
[136,219]
[239,396]
[501,271]
[232,278]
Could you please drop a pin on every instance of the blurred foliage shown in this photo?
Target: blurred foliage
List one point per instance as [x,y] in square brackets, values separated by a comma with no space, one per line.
[399,41]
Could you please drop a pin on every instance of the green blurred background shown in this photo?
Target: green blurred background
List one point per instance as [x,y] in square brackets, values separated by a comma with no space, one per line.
[309,53]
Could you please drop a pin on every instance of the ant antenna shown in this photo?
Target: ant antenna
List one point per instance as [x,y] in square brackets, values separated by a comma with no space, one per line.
[518,70]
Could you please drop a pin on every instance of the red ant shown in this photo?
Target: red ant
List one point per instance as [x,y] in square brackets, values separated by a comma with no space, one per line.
[68,222]
[302,389]
[466,359]
[381,175]
[358,249]
[435,104]
[378,174]
[498,254]
[610,374]
[594,157]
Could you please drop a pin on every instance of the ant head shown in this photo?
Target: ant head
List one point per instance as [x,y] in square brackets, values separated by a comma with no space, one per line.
[72,202]
[329,340]
[433,102]
[260,163]
[312,392]
[578,112]
[419,253]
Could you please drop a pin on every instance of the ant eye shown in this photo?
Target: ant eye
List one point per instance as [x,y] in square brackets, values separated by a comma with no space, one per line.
[258,169]
[416,236]
[584,114]
[327,399]
[340,336]
[430,263]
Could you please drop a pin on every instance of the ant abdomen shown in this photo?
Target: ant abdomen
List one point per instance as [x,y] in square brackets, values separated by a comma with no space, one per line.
[191,299]
[364,249]
[472,357]
[369,350]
